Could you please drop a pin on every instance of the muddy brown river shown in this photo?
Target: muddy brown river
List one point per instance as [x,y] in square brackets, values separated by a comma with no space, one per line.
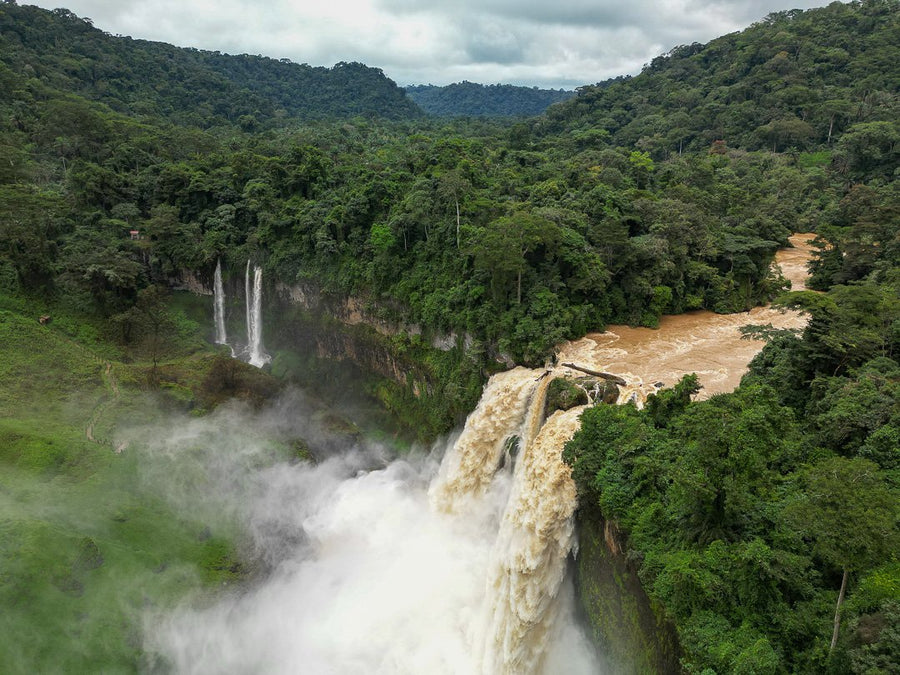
[699,342]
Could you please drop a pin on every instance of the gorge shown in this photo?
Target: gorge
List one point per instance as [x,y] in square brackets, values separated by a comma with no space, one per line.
[456,560]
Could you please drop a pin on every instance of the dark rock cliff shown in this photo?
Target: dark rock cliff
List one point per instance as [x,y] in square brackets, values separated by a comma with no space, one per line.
[625,625]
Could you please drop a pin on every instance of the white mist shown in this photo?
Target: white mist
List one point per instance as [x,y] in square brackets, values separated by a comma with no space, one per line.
[378,576]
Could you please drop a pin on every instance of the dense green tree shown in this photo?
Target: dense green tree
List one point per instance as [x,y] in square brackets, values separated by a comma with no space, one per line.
[29,224]
[503,247]
[101,264]
[850,515]
[148,324]
[869,148]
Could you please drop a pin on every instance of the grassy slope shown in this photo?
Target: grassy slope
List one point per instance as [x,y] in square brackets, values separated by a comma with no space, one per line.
[84,548]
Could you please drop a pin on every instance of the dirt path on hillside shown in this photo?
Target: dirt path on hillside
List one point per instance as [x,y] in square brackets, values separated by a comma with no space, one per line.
[109,400]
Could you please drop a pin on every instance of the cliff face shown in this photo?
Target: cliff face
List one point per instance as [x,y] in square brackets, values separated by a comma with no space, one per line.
[303,319]
[321,334]
[348,310]
[354,311]
[410,377]
[428,383]
[626,627]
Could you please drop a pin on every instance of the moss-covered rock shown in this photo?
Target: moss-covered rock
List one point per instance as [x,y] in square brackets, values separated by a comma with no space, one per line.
[600,390]
[632,633]
[563,394]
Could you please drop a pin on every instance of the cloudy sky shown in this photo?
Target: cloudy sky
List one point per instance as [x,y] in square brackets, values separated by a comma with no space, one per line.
[547,43]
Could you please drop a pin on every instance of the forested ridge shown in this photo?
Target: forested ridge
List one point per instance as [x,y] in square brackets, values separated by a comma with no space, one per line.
[796,79]
[186,86]
[468,99]
[747,514]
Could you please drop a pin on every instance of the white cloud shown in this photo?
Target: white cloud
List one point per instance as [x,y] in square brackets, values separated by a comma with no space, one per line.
[564,43]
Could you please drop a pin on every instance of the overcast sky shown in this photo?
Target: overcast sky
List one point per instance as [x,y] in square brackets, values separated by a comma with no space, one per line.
[548,43]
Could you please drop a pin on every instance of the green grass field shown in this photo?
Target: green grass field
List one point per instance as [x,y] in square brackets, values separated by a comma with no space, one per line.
[86,548]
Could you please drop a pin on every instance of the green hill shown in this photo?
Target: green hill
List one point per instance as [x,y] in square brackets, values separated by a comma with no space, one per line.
[467,99]
[187,86]
[796,79]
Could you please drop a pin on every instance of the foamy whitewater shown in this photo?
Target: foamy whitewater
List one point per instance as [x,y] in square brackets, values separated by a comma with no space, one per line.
[410,568]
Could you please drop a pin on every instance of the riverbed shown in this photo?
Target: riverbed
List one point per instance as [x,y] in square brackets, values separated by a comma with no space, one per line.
[702,342]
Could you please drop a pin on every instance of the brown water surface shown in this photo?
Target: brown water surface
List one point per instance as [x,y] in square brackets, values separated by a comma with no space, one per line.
[793,261]
[699,342]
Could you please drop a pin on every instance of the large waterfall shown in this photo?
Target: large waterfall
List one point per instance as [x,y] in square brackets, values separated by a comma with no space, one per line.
[529,560]
[411,568]
[256,353]
[536,533]
[219,305]
[499,419]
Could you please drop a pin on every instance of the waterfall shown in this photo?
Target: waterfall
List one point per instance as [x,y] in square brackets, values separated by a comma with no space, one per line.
[219,306]
[470,465]
[536,532]
[528,564]
[257,356]
[409,568]
[248,300]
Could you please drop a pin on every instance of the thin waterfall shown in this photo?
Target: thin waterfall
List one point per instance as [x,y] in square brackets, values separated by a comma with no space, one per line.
[257,355]
[248,301]
[219,305]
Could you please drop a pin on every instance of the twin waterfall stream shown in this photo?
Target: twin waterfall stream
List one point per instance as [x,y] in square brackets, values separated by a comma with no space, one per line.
[254,353]
[458,562]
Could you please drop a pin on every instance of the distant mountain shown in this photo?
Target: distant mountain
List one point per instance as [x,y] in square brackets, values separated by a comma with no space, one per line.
[467,99]
[189,86]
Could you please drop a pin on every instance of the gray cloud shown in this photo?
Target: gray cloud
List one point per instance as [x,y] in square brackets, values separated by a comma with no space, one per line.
[494,43]
[533,42]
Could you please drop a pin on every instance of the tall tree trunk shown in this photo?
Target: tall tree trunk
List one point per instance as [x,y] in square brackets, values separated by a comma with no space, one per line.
[457,223]
[837,611]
